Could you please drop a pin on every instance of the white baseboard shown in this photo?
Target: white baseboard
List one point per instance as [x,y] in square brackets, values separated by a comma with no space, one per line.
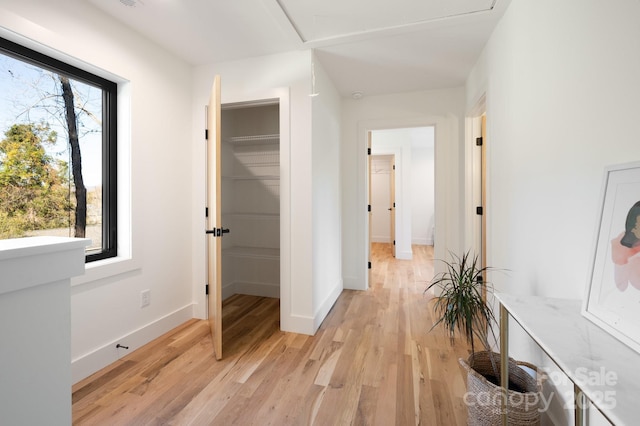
[296,324]
[303,324]
[422,241]
[228,290]
[253,289]
[87,364]
[258,289]
[380,239]
[322,312]
[353,283]
[404,255]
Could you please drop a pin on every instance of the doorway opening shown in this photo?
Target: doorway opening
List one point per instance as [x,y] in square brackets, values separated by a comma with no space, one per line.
[243,204]
[402,189]
[250,172]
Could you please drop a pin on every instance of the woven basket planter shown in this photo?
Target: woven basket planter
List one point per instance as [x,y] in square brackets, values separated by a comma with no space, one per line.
[484,396]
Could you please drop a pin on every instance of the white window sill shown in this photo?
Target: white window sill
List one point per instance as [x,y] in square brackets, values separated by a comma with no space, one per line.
[106,268]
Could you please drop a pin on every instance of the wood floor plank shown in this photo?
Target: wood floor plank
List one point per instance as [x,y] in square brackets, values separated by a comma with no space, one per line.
[288,407]
[270,391]
[374,361]
[405,401]
[208,400]
[386,404]
[366,406]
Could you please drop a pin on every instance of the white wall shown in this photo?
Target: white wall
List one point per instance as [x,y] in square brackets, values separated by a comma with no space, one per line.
[154,234]
[562,90]
[422,195]
[326,203]
[443,109]
[307,179]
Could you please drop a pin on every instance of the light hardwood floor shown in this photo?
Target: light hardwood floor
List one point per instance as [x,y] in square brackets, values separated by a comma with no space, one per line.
[374,361]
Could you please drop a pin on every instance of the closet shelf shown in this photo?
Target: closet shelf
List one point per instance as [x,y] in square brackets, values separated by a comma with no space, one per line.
[253,140]
[252,252]
[253,177]
[249,215]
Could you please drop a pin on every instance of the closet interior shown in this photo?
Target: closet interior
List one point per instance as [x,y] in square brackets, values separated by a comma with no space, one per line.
[250,169]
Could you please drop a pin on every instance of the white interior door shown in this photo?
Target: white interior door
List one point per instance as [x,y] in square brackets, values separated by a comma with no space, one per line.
[369,200]
[483,197]
[392,202]
[214,218]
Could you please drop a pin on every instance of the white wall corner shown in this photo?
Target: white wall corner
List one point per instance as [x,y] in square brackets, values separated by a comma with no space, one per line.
[89,363]
[422,241]
[304,324]
[404,255]
[380,239]
[300,324]
[325,307]
[257,289]
[353,283]
[228,290]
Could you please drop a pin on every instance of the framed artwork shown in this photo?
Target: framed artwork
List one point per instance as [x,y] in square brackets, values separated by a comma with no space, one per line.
[613,293]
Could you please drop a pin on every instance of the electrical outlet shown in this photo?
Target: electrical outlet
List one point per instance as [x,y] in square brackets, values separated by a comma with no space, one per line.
[145,298]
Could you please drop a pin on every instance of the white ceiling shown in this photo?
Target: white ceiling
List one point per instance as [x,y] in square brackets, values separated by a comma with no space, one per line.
[372,46]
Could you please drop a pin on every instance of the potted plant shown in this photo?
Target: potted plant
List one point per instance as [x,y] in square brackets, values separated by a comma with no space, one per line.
[460,305]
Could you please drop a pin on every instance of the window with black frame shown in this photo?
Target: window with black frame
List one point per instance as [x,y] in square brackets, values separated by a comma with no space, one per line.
[57,151]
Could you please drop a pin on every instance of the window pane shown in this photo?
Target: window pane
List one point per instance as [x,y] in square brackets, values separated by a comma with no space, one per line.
[52,155]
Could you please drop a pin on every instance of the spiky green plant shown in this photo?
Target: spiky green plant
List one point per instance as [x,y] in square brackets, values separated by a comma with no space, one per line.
[459,303]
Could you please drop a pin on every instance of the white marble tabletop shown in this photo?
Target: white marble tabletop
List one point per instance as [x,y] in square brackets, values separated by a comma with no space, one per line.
[605,369]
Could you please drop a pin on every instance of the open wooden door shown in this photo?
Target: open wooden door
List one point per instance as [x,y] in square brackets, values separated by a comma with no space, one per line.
[214,218]
[392,202]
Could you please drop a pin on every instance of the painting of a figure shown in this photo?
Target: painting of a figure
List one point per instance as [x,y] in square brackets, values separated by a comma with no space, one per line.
[624,252]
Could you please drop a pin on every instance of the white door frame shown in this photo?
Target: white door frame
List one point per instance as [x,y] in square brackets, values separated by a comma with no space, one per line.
[473,174]
[447,222]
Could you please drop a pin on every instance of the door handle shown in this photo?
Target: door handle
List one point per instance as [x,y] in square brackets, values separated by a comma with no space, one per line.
[217,232]
[389,209]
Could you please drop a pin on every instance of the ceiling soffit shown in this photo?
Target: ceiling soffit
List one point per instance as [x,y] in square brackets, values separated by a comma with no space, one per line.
[335,21]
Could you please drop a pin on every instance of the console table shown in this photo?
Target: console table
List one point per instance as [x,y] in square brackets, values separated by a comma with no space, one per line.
[603,370]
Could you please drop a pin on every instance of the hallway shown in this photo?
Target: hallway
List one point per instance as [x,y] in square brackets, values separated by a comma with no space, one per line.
[373,361]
